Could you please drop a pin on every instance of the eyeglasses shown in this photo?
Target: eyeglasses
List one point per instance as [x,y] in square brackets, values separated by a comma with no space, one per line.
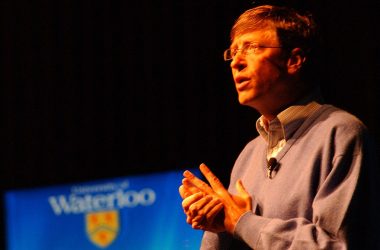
[248,48]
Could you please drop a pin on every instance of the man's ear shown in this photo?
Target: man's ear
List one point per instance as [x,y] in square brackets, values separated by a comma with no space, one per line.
[296,60]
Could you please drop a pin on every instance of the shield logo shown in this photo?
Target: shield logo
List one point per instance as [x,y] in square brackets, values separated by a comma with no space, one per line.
[102,227]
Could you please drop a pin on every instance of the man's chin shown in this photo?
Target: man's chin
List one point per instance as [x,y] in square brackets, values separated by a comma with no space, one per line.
[244,100]
[250,102]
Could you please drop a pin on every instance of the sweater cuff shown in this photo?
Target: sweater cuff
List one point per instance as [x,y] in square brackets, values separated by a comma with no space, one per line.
[249,227]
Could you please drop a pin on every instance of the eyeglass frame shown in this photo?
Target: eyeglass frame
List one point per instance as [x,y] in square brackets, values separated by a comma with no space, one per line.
[245,50]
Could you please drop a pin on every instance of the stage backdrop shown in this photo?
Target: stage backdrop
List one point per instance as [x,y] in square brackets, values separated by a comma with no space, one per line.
[139,212]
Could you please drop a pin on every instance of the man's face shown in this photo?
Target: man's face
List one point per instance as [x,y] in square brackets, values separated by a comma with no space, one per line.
[259,74]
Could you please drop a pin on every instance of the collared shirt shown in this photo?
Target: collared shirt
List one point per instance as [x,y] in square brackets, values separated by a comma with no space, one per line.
[277,131]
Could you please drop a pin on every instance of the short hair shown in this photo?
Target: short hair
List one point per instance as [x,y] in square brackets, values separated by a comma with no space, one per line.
[294,30]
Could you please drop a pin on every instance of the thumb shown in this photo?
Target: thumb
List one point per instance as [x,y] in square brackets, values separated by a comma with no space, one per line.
[241,189]
[243,192]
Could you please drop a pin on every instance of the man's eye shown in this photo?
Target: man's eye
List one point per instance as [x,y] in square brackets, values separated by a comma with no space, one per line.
[251,47]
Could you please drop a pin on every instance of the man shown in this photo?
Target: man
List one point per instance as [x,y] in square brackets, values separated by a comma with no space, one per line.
[300,183]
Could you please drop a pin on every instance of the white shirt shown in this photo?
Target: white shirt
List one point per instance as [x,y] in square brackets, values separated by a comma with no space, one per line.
[281,128]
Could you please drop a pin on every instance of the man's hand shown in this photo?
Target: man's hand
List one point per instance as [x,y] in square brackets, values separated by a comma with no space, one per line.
[204,212]
[202,203]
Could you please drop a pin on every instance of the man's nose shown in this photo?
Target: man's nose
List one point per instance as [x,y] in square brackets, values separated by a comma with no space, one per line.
[238,62]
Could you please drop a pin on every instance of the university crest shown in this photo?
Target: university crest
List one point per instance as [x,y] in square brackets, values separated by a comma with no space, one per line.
[102,227]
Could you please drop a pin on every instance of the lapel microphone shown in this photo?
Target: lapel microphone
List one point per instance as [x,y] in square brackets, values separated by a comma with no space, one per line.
[271,165]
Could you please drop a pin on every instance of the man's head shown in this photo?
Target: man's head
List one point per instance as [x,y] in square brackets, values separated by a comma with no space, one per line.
[293,29]
[269,48]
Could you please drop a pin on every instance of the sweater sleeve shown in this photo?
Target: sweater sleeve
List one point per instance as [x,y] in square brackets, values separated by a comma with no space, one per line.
[215,241]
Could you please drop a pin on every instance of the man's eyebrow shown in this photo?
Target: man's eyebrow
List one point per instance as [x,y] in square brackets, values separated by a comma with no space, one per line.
[234,45]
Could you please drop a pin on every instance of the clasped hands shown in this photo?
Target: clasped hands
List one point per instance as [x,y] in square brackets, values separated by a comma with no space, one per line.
[212,207]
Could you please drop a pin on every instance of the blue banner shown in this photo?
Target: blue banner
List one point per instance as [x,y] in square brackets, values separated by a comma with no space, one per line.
[137,212]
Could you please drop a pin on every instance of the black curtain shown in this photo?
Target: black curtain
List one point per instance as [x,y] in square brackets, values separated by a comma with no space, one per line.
[96,89]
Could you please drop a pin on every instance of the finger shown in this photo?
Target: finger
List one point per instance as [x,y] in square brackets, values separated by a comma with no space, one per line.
[198,226]
[189,220]
[208,221]
[214,212]
[215,183]
[187,189]
[187,202]
[206,209]
[212,179]
[198,206]
[184,192]
[198,182]
[213,206]
[241,189]
[190,187]
[244,194]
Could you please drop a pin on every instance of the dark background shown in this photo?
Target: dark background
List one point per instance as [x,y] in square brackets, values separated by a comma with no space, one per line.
[98,89]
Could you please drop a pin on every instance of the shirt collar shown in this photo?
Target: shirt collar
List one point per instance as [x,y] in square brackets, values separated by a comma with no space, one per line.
[289,120]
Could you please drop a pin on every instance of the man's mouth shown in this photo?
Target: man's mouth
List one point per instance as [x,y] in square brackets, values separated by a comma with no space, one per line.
[241,83]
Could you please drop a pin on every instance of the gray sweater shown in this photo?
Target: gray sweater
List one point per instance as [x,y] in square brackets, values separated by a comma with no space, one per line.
[319,196]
